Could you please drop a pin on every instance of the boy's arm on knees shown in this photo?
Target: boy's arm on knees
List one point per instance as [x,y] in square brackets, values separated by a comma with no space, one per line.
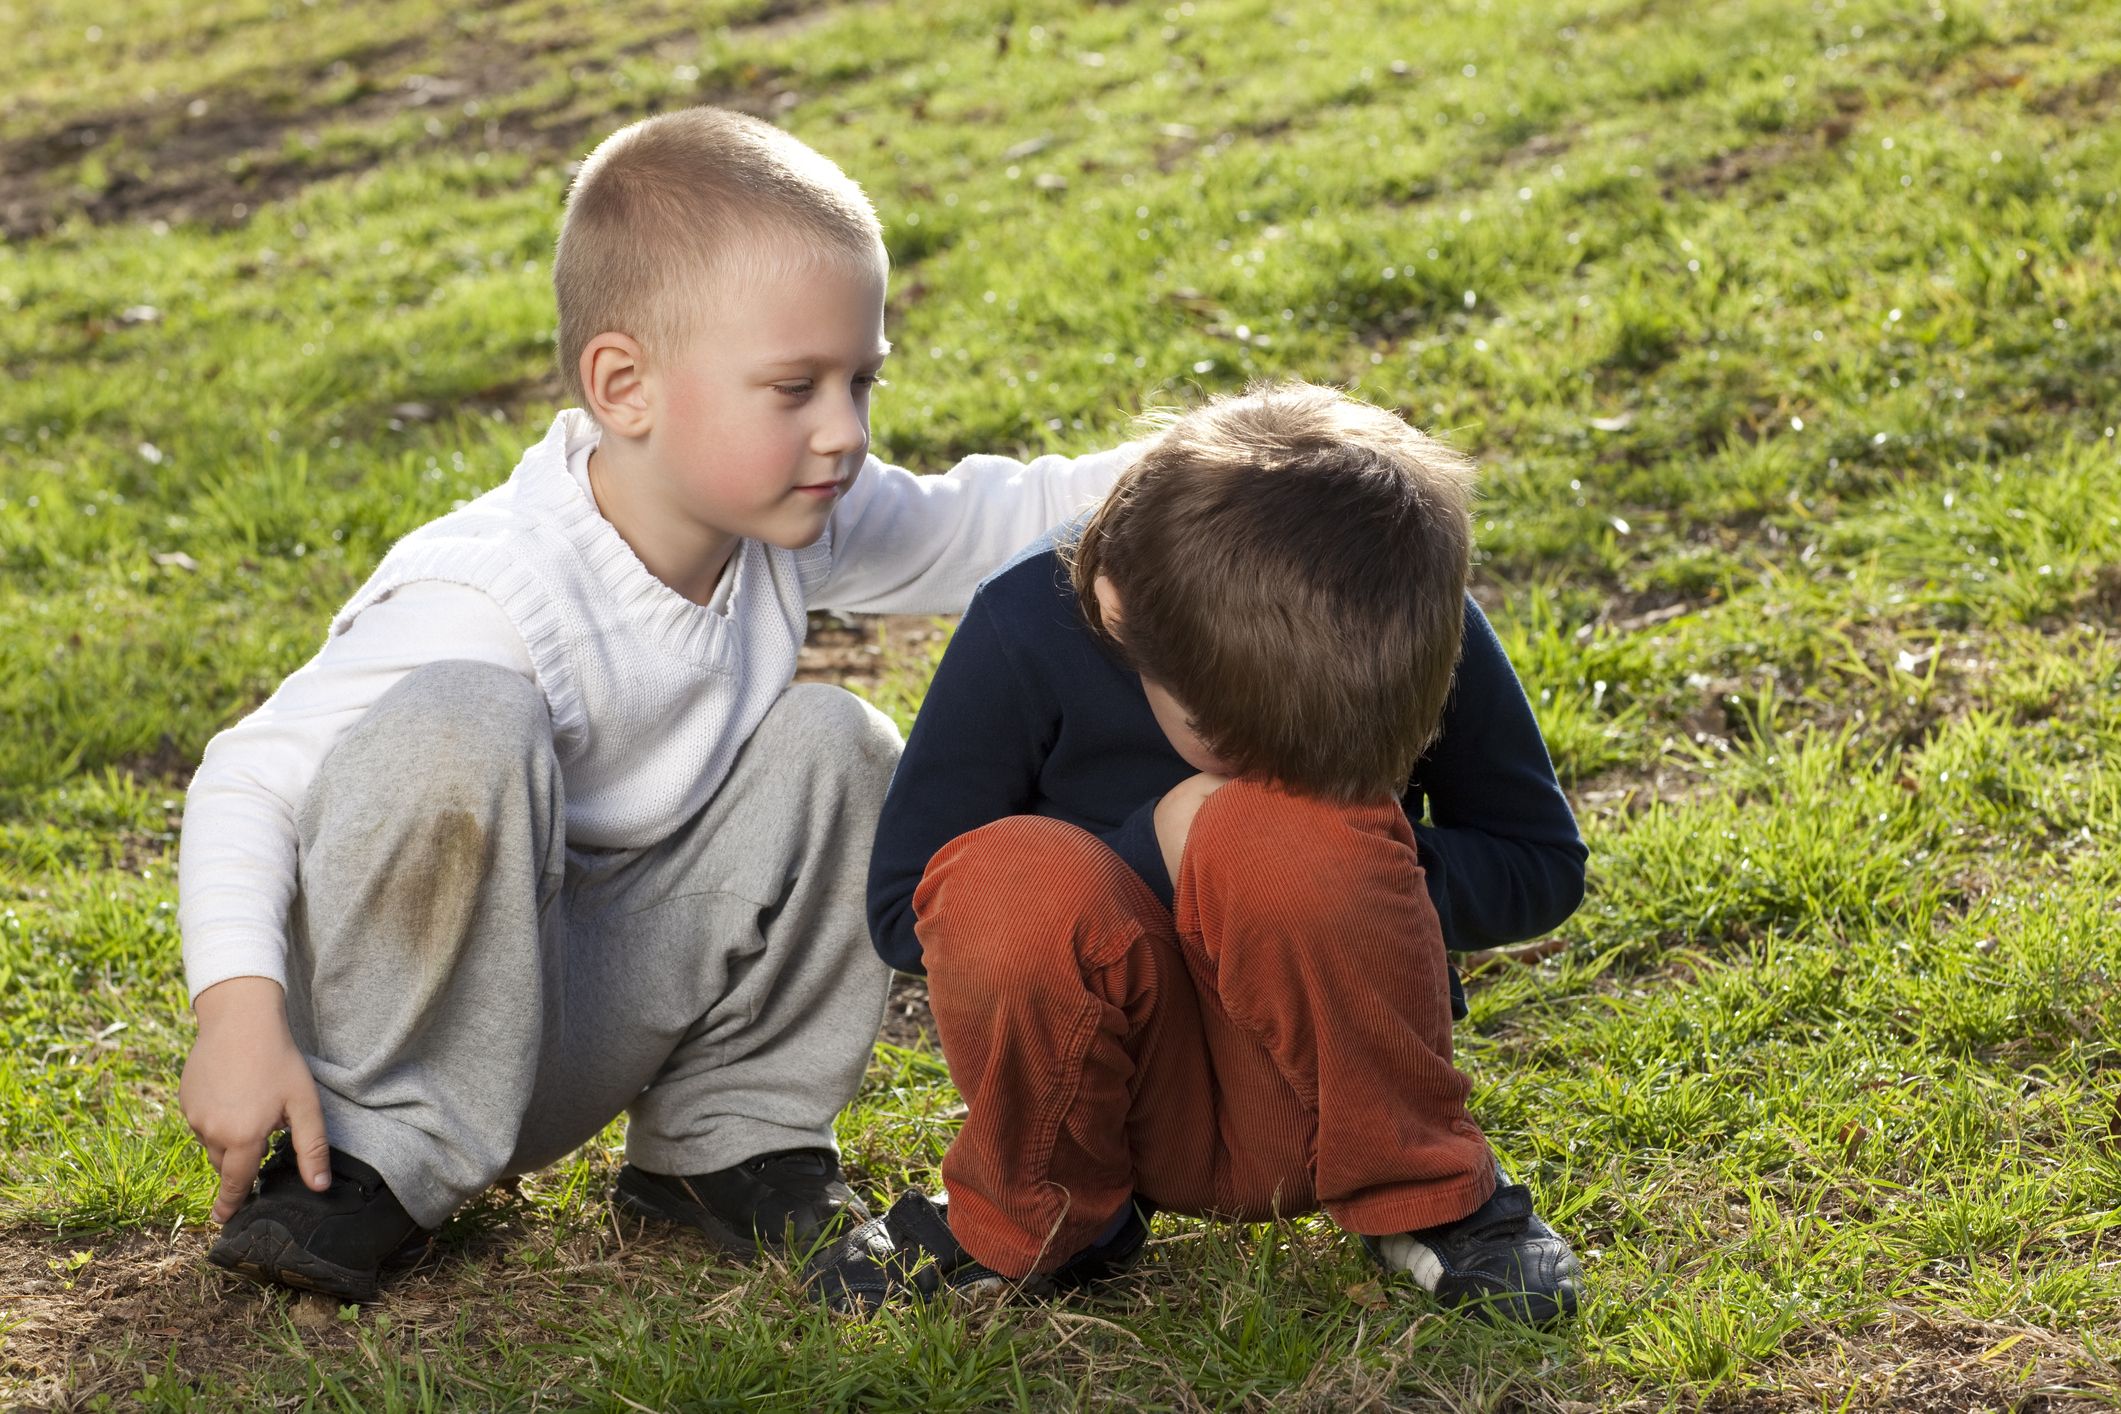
[1501,850]
[972,758]
[236,857]
[904,544]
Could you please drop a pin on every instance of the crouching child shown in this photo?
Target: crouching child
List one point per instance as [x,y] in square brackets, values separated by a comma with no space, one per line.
[545,833]
[1154,842]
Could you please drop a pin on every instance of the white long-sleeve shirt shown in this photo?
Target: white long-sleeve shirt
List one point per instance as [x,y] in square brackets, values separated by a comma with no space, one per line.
[650,694]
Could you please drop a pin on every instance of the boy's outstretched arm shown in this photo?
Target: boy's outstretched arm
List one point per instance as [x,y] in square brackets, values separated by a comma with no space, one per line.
[1503,856]
[902,543]
[972,758]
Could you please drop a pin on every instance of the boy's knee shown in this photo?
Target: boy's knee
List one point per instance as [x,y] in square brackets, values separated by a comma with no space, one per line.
[1006,900]
[465,703]
[851,739]
[1027,860]
[1286,859]
[449,734]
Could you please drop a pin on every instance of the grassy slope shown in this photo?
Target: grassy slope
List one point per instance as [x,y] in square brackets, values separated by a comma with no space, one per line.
[1786,336]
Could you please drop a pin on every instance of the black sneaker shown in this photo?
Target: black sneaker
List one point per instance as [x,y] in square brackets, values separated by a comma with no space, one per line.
[1116,1255]
[908,1253]
[789,1199]
[337,1242]
[1500,1260]
[911,1253]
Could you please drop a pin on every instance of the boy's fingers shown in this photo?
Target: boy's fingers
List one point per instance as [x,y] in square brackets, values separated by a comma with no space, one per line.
[239,1167]
[305,1128]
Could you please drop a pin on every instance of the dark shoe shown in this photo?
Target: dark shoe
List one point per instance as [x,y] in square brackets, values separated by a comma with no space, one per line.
[1500,1261]
[336,1242]
[908,1253]
[789,1198]
[1116,1255]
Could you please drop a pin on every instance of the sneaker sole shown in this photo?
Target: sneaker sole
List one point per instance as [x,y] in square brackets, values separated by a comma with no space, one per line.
[268,1254]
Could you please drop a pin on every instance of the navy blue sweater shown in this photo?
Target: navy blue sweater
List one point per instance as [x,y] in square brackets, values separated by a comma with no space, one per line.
[1029,715]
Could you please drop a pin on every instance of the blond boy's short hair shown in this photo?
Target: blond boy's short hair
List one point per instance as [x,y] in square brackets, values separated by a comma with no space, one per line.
[667,205]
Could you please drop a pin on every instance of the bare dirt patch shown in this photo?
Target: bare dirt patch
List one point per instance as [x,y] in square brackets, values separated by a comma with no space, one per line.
[2090,99]
[1926,1364]
[907,1020]
[94,1314]
[217,156]
[72,1304]
[1737,166]
[861,650]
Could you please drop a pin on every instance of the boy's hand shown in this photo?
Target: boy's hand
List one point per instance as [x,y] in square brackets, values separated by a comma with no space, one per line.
[243,1080]
[1174,816]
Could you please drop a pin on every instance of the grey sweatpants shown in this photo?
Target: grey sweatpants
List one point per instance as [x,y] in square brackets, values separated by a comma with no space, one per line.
[475,999]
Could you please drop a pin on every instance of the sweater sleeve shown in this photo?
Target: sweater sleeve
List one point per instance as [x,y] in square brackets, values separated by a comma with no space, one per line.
[1134,841]
[972,757]
[236,862]
[1500,848]
[903,543]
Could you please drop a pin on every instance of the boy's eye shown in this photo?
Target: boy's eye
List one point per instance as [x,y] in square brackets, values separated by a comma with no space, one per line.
[863,382]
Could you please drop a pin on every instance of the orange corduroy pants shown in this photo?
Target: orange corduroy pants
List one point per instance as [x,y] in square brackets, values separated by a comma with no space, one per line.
[1279,1041]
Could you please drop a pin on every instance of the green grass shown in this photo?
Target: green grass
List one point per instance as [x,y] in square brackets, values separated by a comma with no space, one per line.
[1785,335]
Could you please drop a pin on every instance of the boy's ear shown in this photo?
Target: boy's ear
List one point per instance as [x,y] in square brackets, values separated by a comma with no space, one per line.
[615,386]
[1108,606]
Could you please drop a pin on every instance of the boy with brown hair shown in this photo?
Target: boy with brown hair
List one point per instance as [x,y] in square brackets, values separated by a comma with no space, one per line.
[544,833]
[1154,842]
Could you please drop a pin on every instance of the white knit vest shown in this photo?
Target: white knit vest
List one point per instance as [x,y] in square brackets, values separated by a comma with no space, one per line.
[651,694]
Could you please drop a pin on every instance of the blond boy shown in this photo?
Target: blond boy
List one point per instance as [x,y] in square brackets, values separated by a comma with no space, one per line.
[544,833]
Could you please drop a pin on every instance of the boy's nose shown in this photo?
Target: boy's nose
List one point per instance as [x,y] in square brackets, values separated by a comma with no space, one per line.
[844,433]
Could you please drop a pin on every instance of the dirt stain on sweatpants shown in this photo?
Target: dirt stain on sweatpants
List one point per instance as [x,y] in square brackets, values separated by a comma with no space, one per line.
[430,899]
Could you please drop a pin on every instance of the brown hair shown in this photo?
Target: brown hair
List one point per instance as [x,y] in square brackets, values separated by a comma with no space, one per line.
[1291,567]
[666,204]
